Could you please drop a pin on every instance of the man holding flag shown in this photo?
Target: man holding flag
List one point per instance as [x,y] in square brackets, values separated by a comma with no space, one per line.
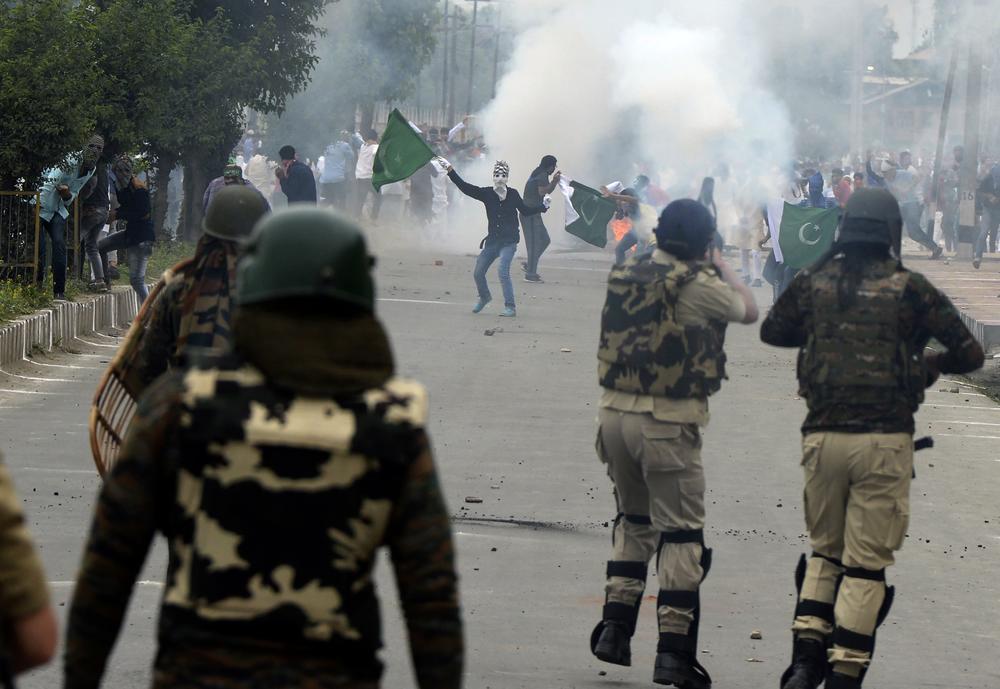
[800,237]
[502,206]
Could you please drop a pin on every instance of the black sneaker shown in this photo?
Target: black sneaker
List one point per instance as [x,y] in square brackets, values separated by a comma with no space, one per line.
[976,262]
[60,296]
[936,254]
[533,278]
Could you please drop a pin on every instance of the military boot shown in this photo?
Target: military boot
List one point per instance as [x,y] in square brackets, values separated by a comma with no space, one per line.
[808,666]
[681,670]
[613,643]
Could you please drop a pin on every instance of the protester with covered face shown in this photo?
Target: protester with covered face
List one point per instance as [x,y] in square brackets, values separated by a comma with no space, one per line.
[536,236]
[58,191]
[904,183]
[502,206]
[232,175]
[295,177]
[135,209]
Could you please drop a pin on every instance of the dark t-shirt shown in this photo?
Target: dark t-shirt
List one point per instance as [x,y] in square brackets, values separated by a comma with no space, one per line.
[538,179]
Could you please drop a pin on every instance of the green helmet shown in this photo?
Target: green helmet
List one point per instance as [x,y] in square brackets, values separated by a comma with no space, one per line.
[233,212]
[871,216]
[306,252]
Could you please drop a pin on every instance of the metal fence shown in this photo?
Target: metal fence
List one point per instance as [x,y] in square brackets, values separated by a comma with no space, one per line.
[21,237]
[19,233]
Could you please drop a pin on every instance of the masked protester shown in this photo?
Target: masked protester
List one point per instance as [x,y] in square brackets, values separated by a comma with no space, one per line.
[659,359]
[60,188]
[133,207]
[276,473]
[861,321]
[502,206]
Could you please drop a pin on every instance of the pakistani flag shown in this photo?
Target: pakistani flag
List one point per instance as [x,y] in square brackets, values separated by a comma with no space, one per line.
[801,235]
[587,212]
[401,152]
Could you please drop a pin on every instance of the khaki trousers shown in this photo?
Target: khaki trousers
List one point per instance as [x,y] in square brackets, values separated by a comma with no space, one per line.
[660,491]
[857,508]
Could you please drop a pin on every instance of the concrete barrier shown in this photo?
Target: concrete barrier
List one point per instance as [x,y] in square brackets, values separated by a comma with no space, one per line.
[64,321]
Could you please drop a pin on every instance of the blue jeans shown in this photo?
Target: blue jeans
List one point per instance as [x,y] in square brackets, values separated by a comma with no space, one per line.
[490,253]
[991,218]
[56,230]
[629,240]
[138,257]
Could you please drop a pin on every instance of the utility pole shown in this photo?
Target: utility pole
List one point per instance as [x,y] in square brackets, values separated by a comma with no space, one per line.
[968,176]
[472,56]
[454,65]
[496,48]
[444,62]
[857,74]
[949,87]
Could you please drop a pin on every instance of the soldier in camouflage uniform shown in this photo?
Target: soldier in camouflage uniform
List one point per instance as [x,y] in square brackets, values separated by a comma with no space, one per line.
[192,312]
[28,630]
[861,322]
[660,357]
[276,473]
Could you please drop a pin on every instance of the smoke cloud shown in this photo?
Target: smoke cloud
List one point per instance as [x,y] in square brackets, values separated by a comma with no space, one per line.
[610,89]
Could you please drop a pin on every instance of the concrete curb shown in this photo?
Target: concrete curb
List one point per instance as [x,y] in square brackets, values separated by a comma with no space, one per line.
[65,321]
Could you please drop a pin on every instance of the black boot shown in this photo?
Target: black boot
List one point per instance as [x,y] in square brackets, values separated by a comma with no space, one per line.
[681,670]
[612,642]
[835,680]
[808,666]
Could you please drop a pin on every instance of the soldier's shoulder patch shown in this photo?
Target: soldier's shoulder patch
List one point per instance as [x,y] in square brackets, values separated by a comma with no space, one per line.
[401,400]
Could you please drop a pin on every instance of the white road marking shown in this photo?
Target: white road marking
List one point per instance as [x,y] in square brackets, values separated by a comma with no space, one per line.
[44,380]
[97,344]
[106,337]
[31,392]
[55,470]
[968,423]
[960,435]
[418,301]
[39,363]
[959,406]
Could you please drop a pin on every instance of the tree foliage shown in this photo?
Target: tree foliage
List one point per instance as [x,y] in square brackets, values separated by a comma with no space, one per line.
[48,79]
[373,50]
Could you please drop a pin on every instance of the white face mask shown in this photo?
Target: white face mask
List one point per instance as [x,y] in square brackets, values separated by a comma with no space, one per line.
[500,186]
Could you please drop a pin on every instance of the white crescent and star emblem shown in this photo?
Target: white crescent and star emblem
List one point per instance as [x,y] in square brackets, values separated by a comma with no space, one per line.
[812,230]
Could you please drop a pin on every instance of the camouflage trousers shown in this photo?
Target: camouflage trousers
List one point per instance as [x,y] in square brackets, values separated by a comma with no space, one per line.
[857,508]
[660,491]
[222,670]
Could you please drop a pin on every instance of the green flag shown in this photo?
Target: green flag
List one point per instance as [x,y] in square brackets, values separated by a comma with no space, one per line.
[587,212]
[805,234]
[401,152]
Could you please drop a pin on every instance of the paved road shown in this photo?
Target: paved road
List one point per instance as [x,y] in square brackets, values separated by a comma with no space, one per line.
[513,423]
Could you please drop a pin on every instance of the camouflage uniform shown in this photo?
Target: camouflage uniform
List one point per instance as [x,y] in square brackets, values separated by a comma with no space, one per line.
[660,357]
[274,504]
[23,589]
[861,371]
[192,313]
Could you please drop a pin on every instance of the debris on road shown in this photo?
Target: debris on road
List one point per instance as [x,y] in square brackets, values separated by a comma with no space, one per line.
[565,350]
[438,262]
[754,660]
[473,499]
[756,634]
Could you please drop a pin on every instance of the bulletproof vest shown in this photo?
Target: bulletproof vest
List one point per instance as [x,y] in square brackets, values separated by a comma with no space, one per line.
[281,502]
[856,356]
[643,349]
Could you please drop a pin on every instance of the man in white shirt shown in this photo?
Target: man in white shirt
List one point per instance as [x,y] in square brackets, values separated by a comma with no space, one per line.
[363,172]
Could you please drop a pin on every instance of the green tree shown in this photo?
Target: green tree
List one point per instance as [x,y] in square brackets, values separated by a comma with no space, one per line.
[47,86]
[375,50]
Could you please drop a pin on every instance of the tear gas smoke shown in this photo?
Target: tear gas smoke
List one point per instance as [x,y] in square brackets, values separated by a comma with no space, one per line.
[636,87]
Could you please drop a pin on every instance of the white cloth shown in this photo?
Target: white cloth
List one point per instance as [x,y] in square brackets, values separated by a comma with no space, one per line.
[615,187]
[366,161]
[455,131]
[775,209]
